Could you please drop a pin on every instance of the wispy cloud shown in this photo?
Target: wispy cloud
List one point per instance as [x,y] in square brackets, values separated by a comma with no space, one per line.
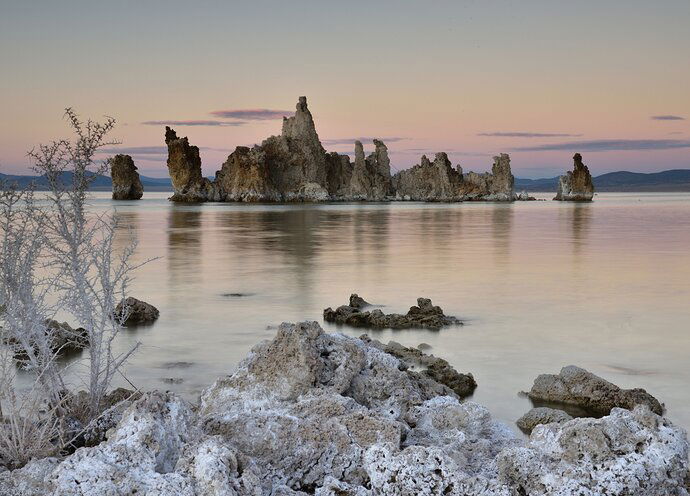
[251,114]
[450,151]
[351,141]
[528,135]
[136,150]
[194,123]
[606,145]
[667,118]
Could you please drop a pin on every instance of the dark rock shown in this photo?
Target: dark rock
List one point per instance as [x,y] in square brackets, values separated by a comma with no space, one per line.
[437,368]
[62,337]
[541,415]
[358,302]
[126,182]
[576,185]
[184,167]
[580,388]
[424,315]
[131,311]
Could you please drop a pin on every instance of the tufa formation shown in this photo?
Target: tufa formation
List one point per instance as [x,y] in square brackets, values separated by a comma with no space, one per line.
[294,167]
[126,182]
[576,185]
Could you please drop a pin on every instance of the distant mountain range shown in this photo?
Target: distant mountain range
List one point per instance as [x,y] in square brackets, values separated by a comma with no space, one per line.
[671,181]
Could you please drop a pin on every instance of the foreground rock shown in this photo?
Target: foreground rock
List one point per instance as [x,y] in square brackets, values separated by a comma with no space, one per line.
[541,415]
[131,311]
[294,167]
[314,413]
[126,182]
[576,185]
[582,389]
[424,315]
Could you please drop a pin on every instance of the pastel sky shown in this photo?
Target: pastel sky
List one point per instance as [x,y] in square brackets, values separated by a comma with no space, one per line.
[537,79]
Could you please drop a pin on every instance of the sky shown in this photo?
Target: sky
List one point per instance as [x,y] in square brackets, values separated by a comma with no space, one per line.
[539,80]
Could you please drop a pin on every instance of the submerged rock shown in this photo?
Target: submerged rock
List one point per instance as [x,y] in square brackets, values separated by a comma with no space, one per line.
[325,414]
[131,311]
[126,182]
[541,415]
[424,315]
[580,388]
[576,185]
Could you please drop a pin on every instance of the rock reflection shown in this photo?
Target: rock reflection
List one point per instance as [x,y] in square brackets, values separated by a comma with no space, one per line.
[184,245]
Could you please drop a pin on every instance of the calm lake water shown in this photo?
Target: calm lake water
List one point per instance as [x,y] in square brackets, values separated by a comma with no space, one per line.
[605,286]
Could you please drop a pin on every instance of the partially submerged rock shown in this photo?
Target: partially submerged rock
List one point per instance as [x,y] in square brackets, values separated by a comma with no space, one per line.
[126,182]
[131,311]
[541,415]
[326,414]
[580,388]
[61,337]
[576,185]
[424,315]
[437,368]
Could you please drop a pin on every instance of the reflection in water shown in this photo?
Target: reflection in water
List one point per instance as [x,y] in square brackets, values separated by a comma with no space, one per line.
[540,285]
[502,224]
[184,245]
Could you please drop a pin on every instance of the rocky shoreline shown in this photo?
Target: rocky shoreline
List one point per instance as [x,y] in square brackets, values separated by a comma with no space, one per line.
[315,413]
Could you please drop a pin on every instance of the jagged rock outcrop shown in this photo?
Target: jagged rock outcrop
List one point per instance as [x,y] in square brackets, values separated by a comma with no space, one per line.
[424,315]
[184,167]
[325,414]
[541,415]
[438,181]
[131,311]
[294,167]
[576,185]
[125,178]
[579,388]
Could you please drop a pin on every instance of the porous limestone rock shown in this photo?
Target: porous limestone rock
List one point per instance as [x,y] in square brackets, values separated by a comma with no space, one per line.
[541,415]
[371,176]
[626,453]
[325,414]
[577,387]
[576,185]
[424,315]
[125,178]
[131,311]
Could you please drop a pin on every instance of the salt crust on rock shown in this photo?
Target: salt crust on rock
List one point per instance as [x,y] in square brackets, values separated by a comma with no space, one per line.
[314,413]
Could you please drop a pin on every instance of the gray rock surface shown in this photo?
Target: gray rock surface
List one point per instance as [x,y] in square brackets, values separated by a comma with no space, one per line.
[576,185]
[126,182]
[577,387]
[315,413]
[424,315]
[131,311]
[541,415]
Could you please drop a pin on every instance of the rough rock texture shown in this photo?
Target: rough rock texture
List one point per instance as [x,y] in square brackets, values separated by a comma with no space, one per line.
[294,167]
[61,336]
[424,315]
[541,415]
[580,388]
[438,181]
[184,167]
[313,413]
[626,453]
[133,312]
[576,185]
[126,182]
[437,368]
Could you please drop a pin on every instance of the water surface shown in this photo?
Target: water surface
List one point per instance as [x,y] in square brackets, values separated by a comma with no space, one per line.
[605,286]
